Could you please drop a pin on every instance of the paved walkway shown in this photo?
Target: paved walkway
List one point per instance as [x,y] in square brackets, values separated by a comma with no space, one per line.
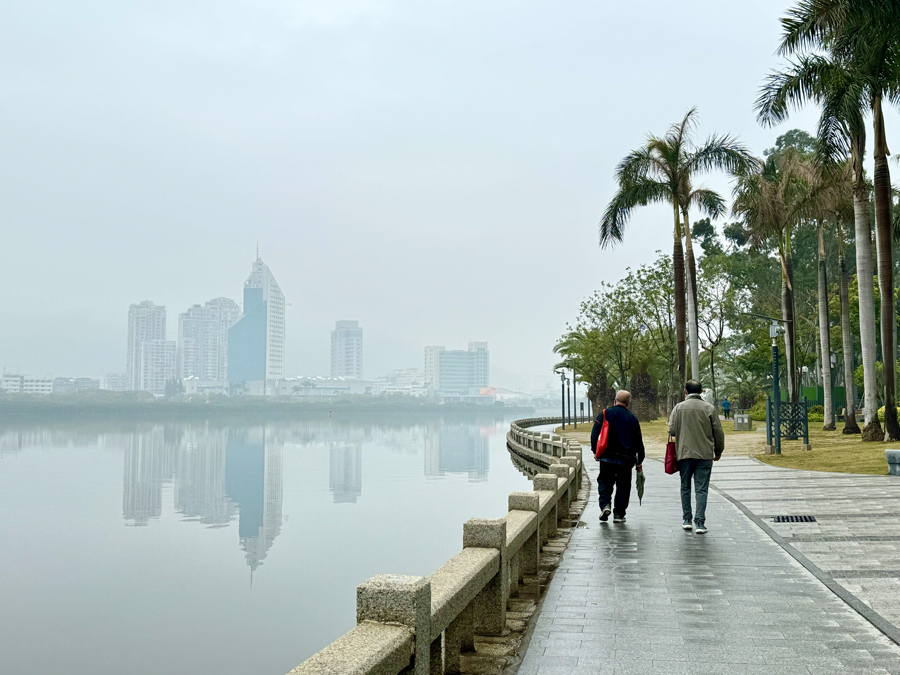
[645,597]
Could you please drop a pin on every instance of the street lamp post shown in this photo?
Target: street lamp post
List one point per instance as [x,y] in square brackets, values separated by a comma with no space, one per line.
[574,413]
[562,395]
[740,398]
[569,398]
[831,382]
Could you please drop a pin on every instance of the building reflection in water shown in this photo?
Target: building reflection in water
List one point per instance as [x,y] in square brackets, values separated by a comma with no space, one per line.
[215,473]
[345,471]
[457,448]
[253,481]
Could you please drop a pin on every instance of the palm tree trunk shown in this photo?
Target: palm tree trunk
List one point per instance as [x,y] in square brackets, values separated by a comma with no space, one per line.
[850,425]
[864,274]
[691,277]
[824,333]
[788,313]
[678,268]
[882,180]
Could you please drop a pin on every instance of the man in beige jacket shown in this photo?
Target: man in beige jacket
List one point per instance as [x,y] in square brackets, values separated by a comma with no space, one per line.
[699,441]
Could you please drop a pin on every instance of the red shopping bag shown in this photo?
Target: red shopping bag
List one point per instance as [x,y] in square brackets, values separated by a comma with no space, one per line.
[603,439]
[671,460]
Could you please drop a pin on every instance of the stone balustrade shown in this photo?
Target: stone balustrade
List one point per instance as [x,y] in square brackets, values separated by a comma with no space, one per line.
[421,625]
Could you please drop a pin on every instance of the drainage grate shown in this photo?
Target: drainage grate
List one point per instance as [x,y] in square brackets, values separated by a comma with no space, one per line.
[794,519]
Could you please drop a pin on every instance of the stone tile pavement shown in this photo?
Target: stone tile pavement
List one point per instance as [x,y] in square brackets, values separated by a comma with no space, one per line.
[855,543]
[645,597]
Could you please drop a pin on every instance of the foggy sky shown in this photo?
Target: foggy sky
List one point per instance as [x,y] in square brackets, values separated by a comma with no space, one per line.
[435,170]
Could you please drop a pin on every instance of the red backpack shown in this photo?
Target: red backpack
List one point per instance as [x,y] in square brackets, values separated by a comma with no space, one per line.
[603,439]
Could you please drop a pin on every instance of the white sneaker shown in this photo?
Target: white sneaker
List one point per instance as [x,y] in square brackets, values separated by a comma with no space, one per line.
[701,529]
[618,519]
[687,525]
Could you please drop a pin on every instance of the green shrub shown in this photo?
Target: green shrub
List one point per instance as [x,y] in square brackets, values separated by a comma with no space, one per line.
[816,410]
[815,417]
[881,413]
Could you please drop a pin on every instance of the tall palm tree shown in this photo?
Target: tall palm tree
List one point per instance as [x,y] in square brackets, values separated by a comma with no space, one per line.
[661,171]
[864,35]
[771,201]
[836,86]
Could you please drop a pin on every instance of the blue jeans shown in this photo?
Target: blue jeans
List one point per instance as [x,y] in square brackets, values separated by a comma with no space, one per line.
[700,470]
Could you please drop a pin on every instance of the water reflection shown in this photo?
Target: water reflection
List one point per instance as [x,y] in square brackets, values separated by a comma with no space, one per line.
[345,472]
[458,448]
[215,473]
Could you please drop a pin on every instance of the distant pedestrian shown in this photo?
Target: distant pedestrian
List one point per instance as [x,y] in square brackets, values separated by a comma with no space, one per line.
[699,441]
[624,452]
[726,408]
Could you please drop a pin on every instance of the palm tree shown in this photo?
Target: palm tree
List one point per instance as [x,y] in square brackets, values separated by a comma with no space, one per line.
[771,201]
[661,172]
[582,349]
[864,35]
[837,87]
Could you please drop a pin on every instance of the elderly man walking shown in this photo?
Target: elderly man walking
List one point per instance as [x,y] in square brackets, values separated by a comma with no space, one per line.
[624,452]
[699,441]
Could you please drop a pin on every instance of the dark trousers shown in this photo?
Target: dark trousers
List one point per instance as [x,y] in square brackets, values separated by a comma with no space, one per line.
[727,413]
[700,470]
[616,476]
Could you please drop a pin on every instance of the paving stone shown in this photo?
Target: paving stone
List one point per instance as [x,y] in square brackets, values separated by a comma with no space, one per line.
[646,597]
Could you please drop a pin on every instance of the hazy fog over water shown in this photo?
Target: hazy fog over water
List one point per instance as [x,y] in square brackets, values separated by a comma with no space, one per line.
[434,170]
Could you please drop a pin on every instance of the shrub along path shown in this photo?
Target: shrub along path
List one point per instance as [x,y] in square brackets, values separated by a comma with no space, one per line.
[646,597]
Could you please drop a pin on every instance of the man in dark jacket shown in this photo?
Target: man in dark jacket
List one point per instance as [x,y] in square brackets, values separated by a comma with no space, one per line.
[624,451]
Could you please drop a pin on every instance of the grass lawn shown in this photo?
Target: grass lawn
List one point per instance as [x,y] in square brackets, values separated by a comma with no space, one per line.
[831,450]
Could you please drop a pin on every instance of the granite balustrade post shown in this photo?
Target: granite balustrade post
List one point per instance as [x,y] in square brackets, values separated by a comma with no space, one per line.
[459,637]
[575,483]
[489,606]
[530,553]
[562,471]
[393,598]
[547,482]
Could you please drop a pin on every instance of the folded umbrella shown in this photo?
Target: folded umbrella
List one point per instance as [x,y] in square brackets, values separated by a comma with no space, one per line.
[641,479]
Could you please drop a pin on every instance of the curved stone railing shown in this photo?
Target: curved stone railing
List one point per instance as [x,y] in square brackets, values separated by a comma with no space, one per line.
[539,447]
[423,624]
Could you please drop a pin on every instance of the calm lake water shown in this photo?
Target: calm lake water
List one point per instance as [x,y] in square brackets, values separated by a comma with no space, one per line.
[228,548]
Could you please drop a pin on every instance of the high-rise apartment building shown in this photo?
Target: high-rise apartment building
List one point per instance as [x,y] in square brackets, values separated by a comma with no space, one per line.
[346,350]
[461,372]
[203,339]
[432,354]
[256,340]
[157,365]
[146,321]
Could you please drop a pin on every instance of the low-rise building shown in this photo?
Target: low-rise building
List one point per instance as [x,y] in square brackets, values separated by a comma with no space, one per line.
[26,384]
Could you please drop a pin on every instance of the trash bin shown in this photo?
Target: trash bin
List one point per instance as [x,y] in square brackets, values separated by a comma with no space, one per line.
[742,422]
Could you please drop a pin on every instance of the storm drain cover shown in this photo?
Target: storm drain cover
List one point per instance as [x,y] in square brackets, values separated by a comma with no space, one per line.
[794,519]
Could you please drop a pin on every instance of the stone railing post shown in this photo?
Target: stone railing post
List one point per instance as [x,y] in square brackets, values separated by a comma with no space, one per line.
[547,482]
[562,471]
[392,598]
[489,606]
[575,483]
[530,553]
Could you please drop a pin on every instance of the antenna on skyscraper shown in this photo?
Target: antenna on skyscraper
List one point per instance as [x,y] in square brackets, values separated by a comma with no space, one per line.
[257,249]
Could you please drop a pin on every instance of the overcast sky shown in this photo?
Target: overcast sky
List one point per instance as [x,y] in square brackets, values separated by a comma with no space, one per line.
[435,170]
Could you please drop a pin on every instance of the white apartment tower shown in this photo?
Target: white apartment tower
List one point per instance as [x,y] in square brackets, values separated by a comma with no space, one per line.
[346,350]
[203,339]
[146,321]
[432,368]
[157,365]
